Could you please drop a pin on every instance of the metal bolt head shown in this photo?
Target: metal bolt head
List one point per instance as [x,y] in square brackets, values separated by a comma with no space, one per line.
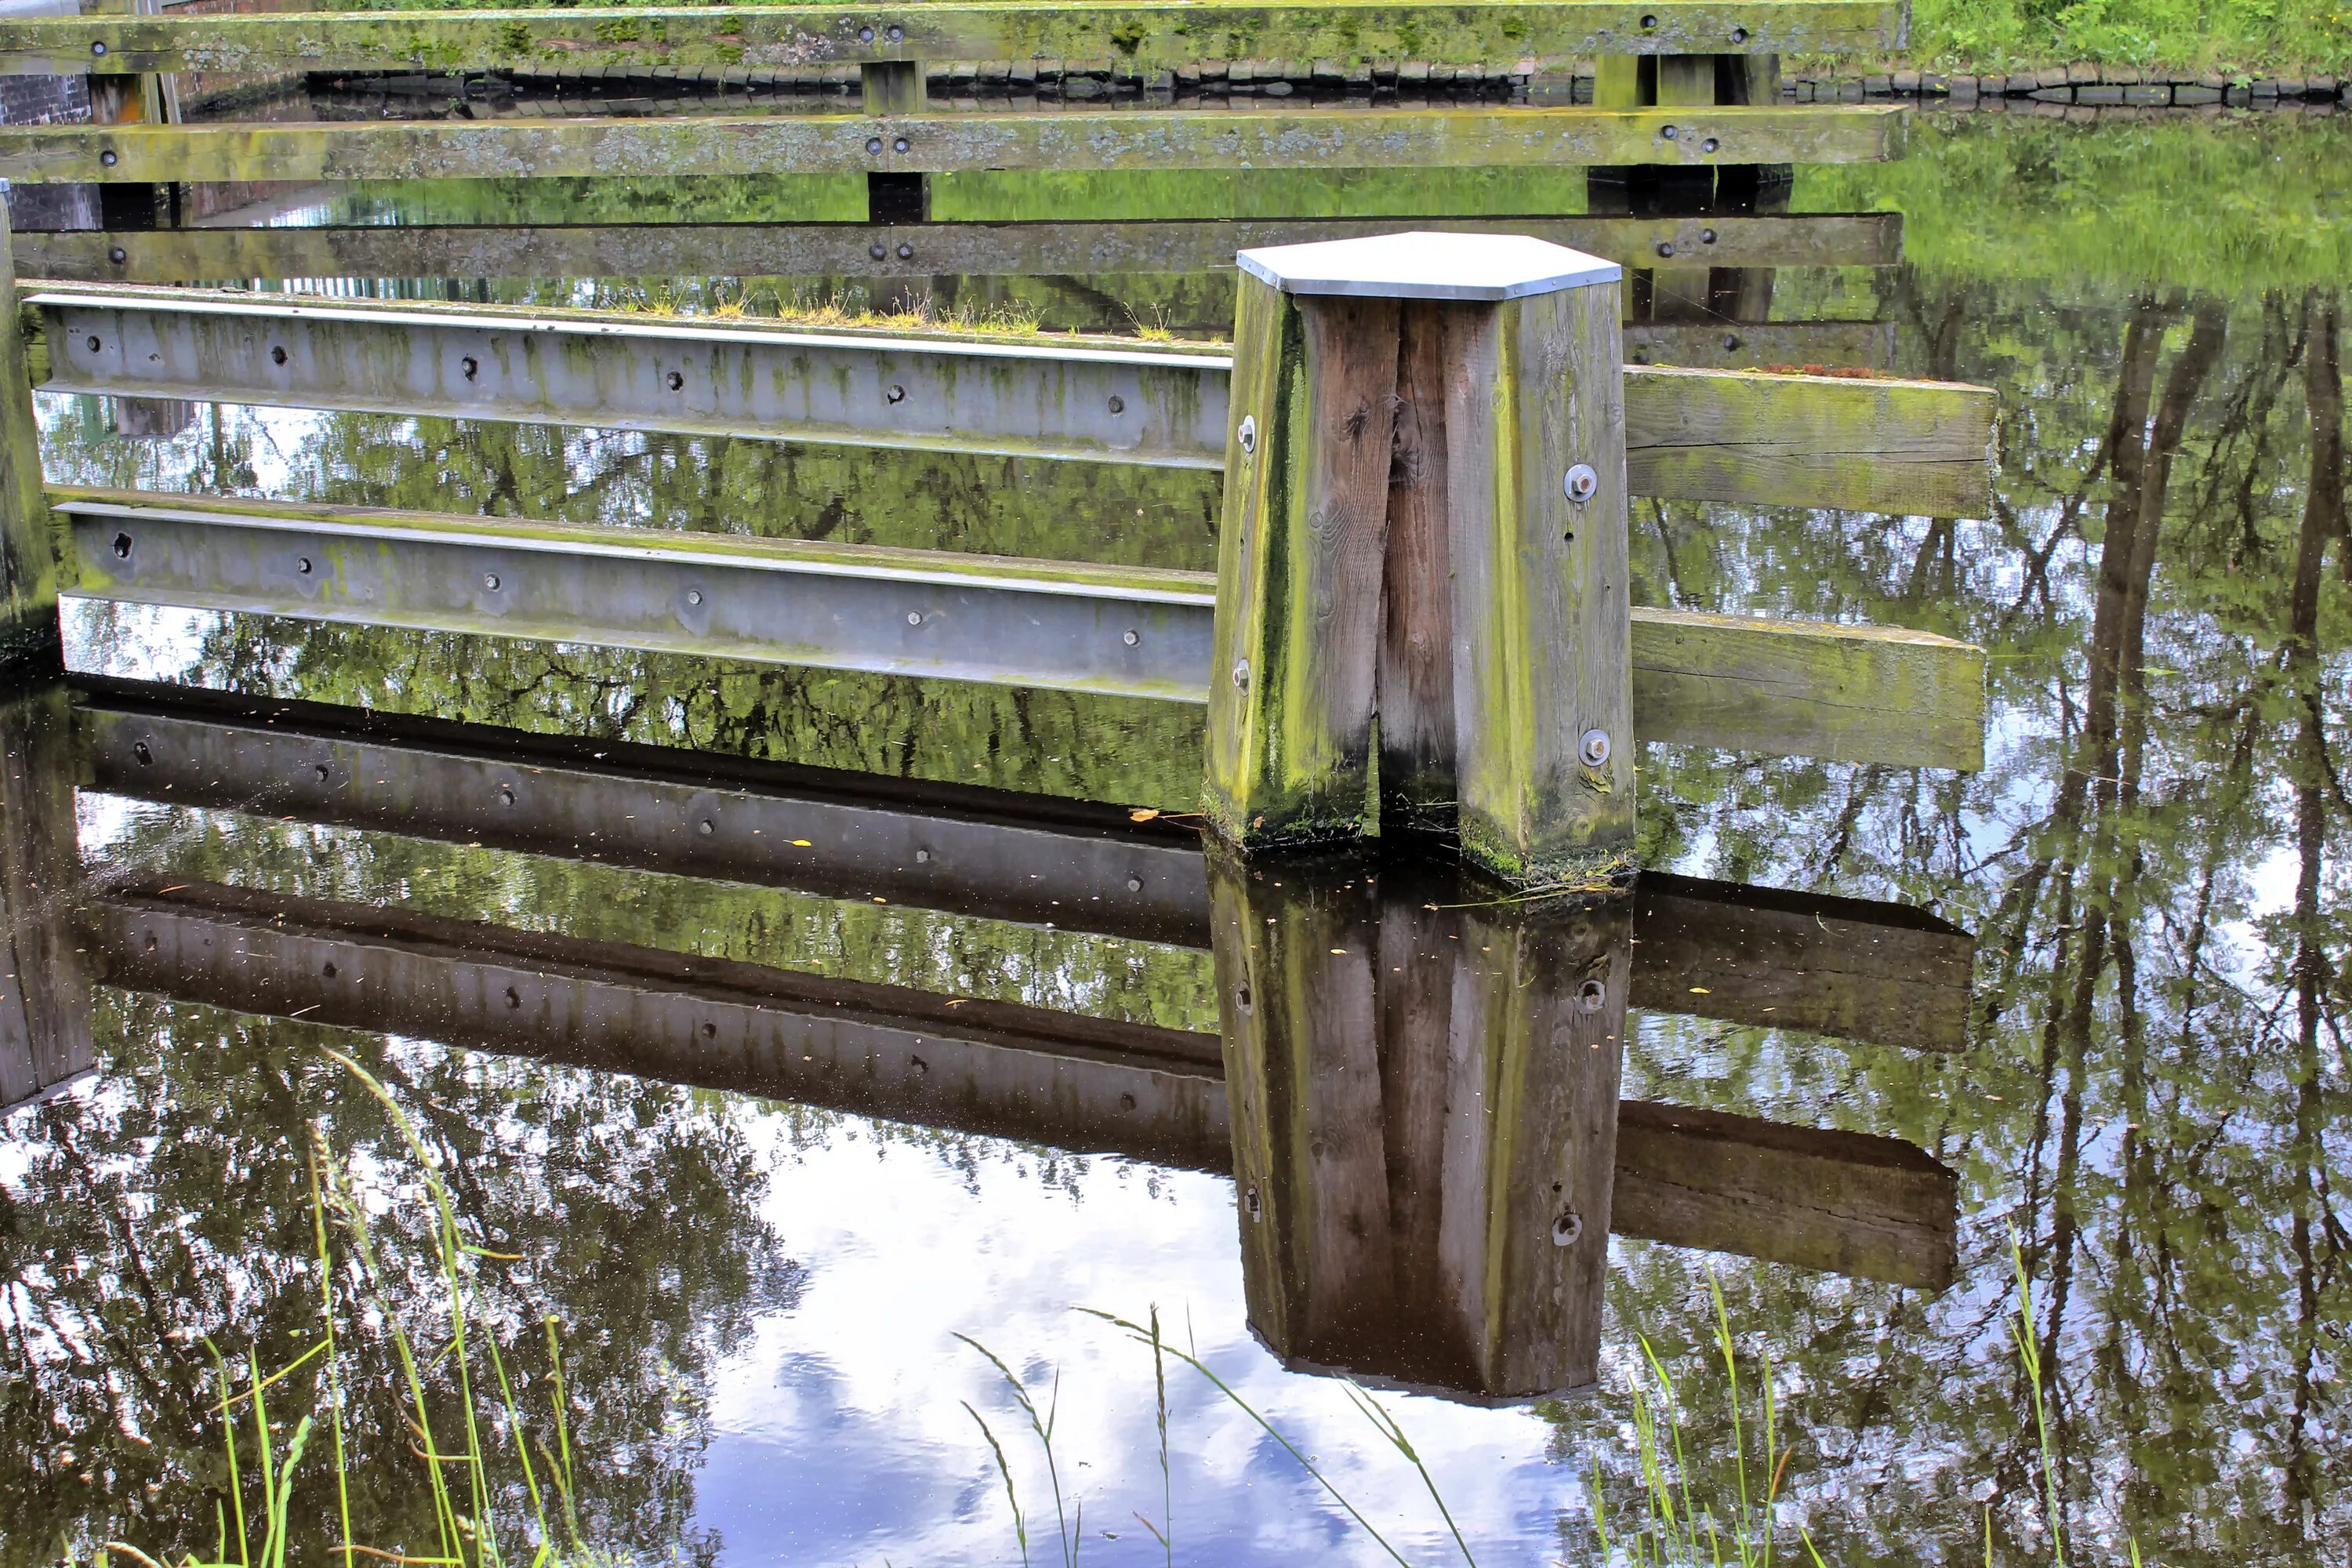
[1249,1201]
[706,828]
[108,158]
[506,795]
[97,48]
[1591,995]
[93,342]
[873,145]
[906,253]
[1131,638]
[897,35]
[1567,1229]
[1649,24]
[898,145]
[694,595]
[1134,884]
[1666,248]
[1706,237]
[1738,35]
[1709,146]
[1241,675]
[922,856]
[1249,433]
[1582,483]
[1594,748]
[490,580]
[877,252]
[1671,132]
[914,618]
[865,34]
[117,255]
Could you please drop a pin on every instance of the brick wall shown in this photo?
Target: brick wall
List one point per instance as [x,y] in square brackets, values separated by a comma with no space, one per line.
[41,99]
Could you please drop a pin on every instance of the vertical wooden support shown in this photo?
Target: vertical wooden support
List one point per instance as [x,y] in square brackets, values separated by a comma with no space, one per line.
[45,1035]
[29,566]
[1424,1104]
[1425,525]
[1543,680]
[1298,602]
[121,99]
[896,87]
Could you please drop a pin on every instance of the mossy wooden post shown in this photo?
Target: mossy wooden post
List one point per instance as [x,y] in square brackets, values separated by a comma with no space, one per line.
[1424,1107]
[895,87]
[1304,523]
[1424,522]
[29,566]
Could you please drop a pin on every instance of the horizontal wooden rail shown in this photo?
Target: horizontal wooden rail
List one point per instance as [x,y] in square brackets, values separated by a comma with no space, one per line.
[1872,1208]
[1786,688]
[1861,444]
[1135,36]
[887,251]
[654,148]
[1840,967]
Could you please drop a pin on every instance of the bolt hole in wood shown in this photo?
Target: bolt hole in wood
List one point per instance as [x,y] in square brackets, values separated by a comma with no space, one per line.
[93,342]
[122,547]
[303,564]
[471,366]
[677,381]
[278,353]
[895,395]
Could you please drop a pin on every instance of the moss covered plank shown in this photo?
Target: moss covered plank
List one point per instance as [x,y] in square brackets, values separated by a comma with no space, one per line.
[1805,688]
[846,144]
[907,250]
[1863,444]
[1140,37]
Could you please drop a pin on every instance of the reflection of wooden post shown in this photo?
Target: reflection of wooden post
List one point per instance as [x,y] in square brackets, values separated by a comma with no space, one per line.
[1503,652]
[28,568]
[1424,1108]
[44,986]
[126,98]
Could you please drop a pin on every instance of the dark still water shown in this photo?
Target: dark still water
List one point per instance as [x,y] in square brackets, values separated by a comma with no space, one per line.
[763,1031]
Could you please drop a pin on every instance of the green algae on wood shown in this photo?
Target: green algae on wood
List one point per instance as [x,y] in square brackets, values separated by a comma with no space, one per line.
[847,144]
[29,572]
[1140,36]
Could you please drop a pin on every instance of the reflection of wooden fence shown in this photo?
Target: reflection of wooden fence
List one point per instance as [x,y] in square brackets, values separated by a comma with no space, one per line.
[1865,1205]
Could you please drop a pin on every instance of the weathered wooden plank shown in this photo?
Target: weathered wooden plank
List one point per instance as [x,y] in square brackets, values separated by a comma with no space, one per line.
[1892,445]
[1140,36]
[1416,651]
[906,250]
[1299,612]
[1126,631]
[1805,688]
[1100,398]
[1779,687]
[1543,699]
[1841,967]
[1863,445]
[29,573]
[654,147]
[1874,1208]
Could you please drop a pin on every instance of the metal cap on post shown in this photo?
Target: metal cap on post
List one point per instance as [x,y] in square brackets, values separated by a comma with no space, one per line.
[1423,537]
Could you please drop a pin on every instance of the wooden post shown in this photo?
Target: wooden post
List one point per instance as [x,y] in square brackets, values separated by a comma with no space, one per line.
[44,1036]
[1423,1105]
[125,99]
[1425,532]
[28,565]
[896,87]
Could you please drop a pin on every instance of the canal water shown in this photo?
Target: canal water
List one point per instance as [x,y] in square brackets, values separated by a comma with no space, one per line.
[804,1105]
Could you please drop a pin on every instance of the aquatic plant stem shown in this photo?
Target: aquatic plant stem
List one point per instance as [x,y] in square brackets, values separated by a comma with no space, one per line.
[1387,1427]
[2029,1354]
[1142,1336]
[334,1374]
[1019,1526]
